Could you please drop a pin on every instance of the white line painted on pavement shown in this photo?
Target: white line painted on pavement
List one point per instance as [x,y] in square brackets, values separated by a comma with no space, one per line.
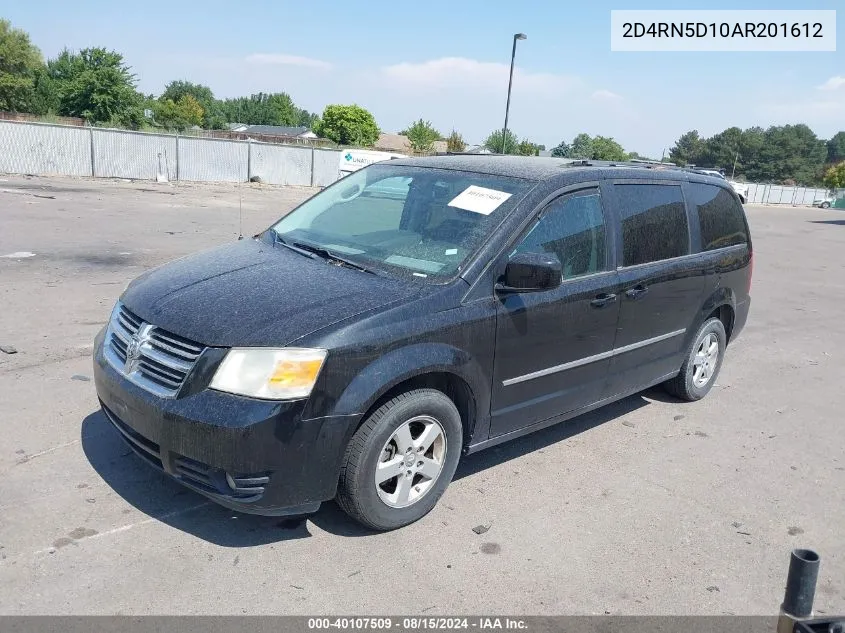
[26,458]
[129,526]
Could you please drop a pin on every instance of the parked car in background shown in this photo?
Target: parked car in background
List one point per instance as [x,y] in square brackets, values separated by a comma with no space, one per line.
[824,203]
[416,311]
[741,189]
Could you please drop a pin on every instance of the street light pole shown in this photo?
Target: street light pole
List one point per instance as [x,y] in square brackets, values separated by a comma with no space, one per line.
[516,36]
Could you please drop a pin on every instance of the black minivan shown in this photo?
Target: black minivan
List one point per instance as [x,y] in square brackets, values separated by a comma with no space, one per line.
[418,310]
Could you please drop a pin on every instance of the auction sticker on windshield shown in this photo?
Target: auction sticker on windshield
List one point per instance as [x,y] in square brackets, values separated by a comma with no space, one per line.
[479,200]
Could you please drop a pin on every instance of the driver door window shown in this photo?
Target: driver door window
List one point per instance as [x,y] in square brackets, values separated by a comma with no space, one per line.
[571,228]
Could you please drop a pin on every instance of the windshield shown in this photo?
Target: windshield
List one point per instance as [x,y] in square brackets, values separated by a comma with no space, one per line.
[409,221]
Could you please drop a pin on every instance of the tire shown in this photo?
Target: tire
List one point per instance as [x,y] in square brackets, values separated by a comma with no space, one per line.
[825,205]
[688,385]
[401,499]
[742,199]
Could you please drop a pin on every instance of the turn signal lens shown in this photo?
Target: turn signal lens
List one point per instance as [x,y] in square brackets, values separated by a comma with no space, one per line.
[269,374]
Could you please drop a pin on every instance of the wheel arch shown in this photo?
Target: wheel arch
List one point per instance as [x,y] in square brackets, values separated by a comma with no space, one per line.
[438,366]
[451,385]
[722,305]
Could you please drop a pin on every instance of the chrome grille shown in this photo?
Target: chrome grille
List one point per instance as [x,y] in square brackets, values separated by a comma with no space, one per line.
[150,357]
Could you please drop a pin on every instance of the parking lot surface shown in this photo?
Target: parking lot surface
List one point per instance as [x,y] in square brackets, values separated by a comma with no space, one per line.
[648,506]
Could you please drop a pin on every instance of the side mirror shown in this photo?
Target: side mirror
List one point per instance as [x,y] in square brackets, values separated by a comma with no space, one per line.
[530,272]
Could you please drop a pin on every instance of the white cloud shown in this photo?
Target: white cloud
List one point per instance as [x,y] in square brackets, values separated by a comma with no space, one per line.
[278,59]
[461,72]
[605,95]
[834,83]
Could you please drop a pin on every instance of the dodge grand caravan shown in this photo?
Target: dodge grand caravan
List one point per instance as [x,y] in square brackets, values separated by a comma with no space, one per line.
[415,311]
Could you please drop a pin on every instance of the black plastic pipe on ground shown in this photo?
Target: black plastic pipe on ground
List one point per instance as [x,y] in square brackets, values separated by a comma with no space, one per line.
[800,589]
[801,583]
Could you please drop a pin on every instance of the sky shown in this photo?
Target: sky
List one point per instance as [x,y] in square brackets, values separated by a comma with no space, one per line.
[448,62]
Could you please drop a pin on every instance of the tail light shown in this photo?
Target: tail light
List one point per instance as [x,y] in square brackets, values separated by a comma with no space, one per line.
[750,271]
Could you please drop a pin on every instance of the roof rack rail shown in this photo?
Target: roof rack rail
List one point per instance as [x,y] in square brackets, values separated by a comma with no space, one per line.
[639,165]
[618,163]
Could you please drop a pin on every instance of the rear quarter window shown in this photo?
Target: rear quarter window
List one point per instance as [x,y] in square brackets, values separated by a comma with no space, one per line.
[720,216]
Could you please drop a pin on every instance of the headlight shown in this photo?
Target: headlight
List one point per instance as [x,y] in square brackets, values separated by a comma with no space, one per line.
[271,374]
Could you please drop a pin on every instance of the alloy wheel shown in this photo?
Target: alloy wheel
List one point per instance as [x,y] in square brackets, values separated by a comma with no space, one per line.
[411,461]
[705,360]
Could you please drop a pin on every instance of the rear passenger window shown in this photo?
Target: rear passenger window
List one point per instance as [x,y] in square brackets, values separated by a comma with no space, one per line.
[572,228]
[654,223]
[719,216]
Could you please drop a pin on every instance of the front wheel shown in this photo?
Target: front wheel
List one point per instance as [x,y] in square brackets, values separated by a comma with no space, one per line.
[825,205]
[401,460]
[701,364]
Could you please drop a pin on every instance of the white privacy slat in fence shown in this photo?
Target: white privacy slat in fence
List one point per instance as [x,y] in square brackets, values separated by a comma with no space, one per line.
[44,150]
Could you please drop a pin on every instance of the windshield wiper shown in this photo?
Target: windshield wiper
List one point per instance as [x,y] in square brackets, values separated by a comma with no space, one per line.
[331,256]
[310,250]
[278,239]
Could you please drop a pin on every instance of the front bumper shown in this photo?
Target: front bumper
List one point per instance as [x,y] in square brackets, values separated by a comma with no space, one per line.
[254,456]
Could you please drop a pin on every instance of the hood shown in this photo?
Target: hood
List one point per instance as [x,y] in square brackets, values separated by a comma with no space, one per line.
[253,294]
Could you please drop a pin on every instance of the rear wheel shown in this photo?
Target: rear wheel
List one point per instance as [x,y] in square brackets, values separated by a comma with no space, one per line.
[702,363]
[401,460]
[825,205]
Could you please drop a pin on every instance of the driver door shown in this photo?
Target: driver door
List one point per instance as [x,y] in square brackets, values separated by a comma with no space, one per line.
[553,347]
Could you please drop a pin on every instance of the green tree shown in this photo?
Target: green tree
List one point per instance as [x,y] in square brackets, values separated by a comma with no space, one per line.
[421,136]
[721,150]
[262,109]
[581,147]
[687,149]
[348,125]
[45,96]
[834,177]
[561,150]
[605,148]
[585,147]
[836,148]
[308,119]
[97,85]
[20,63]
[528,148]
[175,90]
[178,115]
[212,117]
[792,152]
[748,154]
[494,142]
[455,143]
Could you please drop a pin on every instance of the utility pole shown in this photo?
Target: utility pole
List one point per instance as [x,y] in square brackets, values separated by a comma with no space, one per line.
[516,36]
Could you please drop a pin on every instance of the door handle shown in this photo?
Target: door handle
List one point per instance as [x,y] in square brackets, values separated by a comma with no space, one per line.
[636,292]
[602,300]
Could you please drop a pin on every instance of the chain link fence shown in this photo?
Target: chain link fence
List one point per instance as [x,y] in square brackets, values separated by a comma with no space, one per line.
[45,149]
